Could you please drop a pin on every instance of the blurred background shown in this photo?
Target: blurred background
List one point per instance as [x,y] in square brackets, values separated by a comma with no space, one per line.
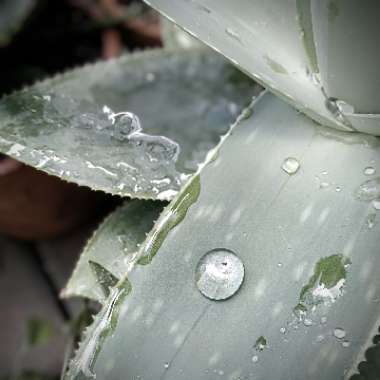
[44,222]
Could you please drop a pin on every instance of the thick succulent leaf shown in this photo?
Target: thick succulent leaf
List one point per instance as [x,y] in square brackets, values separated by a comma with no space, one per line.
[300,49]
[75,126]
[109,253]
[307,236]
[12,15]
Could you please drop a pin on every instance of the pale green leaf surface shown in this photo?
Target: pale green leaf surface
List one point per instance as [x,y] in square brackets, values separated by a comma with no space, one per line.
[299,49]
[111,249]
[286,229]
[12,15]
[271,40]
[186,98]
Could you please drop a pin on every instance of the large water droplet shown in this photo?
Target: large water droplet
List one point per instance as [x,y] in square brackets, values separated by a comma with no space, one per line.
[219,274]
[291,165]
[339,333]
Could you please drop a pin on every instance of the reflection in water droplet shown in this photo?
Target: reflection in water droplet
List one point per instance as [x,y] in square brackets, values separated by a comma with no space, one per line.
[369,170]
[150,77]
[291,165]
[339,333]
[219,274]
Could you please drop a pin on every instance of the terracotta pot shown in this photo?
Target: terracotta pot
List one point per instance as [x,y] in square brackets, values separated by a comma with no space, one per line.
[34,205]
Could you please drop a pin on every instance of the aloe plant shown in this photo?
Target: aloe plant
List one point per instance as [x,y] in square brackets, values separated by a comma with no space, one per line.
[263,262]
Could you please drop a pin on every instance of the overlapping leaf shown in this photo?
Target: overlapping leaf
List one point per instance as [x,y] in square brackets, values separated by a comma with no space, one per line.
[283,225]
[85,126]
[112,249]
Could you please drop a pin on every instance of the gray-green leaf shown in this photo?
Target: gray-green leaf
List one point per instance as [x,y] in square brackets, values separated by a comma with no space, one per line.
[84,125]
[111,250]
[290,228]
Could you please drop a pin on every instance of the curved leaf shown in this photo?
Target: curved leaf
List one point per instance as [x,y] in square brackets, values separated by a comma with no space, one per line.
[109,253]
[299,49]
[309,245]
[75,125]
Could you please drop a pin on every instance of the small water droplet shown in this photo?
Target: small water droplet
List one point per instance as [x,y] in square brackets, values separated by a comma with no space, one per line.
[369,170]
[376,204]
[324,185]
[323,320]
[150,77]
[346,343]
[339,333]
[282,330]
[279,265]
[307,322]
[320,338]
[166,365]
[219,274]
[234,34]
[369,190]
[338,189]
[255,358]
[291,165]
